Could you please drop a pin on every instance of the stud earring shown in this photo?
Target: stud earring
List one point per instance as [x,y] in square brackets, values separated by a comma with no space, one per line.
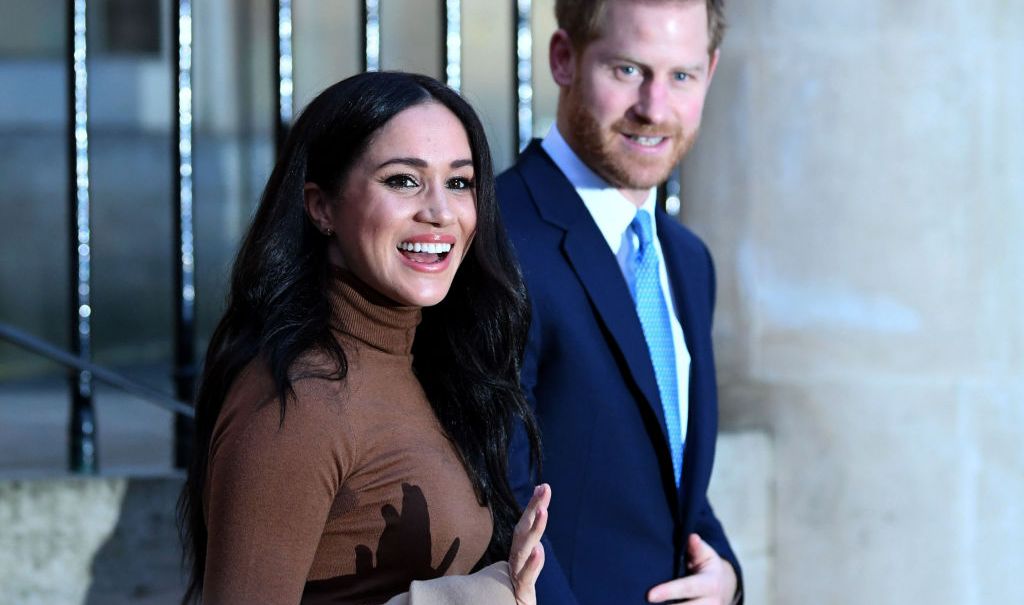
[329,232]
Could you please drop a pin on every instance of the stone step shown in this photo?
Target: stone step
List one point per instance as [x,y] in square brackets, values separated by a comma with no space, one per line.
[112,539]
[99,540]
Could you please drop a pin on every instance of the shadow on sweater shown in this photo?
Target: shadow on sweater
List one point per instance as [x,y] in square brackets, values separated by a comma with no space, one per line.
[403,555]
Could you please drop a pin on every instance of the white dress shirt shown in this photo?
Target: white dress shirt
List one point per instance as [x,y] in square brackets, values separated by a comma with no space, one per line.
[613,213]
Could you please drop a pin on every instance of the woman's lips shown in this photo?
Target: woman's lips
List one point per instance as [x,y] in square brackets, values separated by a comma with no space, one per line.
[431,238]
[425,263]
[427,253]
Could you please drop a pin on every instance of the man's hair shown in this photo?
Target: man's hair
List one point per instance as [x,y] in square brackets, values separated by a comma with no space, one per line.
[583,19]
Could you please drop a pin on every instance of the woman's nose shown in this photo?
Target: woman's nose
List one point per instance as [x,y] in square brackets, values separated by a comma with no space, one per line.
[436,208]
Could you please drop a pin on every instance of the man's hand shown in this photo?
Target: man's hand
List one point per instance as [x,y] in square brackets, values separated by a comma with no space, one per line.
[713,581]
[527,556]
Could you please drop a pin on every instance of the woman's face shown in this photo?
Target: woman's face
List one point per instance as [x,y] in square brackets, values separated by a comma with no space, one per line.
[406,214]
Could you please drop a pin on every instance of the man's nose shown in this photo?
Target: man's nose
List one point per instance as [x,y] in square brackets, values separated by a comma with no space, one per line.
[652,105]
[436,208]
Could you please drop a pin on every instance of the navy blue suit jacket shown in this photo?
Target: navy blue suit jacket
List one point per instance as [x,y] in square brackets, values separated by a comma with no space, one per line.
[618,524]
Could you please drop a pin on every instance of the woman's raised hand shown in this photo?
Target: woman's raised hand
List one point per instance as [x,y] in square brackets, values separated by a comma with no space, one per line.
[527,556]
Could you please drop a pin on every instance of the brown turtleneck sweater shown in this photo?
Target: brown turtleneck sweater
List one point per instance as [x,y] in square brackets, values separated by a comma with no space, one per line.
[356,494]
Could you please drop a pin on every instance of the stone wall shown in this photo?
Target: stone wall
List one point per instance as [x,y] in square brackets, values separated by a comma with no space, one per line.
[112,540]
[742,493]
[859,180]
[95,541]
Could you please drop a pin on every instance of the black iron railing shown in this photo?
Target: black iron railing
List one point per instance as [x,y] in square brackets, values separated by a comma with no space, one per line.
[78,364]
[83,453]
[283,72]
[522,71]
[185,365]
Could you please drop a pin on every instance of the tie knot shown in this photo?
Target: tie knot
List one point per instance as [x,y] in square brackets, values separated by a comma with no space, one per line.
[641,225]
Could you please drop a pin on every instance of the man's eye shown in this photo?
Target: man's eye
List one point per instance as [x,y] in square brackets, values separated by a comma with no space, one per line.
[459,183]
[682,76]
[401,181]
[627,70]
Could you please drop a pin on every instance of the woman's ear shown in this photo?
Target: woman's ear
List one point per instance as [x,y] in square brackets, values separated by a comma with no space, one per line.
[319,208]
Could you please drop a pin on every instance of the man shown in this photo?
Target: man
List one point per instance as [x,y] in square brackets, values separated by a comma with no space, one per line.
[619,365]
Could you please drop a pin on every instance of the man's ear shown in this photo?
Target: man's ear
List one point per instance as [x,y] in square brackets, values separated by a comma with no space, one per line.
[318,207]
[562,58]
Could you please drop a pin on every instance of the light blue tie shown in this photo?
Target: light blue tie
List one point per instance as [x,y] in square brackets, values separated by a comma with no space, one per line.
[654,319]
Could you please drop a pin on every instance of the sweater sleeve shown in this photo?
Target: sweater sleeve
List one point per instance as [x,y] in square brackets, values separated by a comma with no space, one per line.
[491,585]
[270,486]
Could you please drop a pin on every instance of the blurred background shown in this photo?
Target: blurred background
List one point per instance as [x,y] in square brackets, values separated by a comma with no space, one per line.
[859,180]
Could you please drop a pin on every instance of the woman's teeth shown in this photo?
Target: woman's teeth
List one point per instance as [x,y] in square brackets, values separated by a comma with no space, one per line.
[429,248]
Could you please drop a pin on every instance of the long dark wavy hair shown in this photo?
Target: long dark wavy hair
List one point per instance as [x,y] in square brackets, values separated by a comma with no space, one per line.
[468,348]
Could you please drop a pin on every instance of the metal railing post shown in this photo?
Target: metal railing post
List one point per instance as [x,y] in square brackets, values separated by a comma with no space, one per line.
[371,35]
[523,69]
[452,43]
[283,72]
[82,447]
[672,192]
[185,370]
[82,451]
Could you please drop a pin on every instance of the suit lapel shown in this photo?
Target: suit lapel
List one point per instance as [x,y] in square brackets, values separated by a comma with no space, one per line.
[594,264]
[678,278]
[684,290]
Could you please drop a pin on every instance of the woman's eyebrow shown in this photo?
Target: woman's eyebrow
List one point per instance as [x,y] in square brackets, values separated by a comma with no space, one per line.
[417,162]
[421,163]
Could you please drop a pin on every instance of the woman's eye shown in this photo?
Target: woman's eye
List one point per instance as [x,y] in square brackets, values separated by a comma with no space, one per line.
[401,181]
[459,183]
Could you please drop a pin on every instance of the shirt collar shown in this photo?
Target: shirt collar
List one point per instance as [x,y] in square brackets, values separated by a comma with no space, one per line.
[611,210]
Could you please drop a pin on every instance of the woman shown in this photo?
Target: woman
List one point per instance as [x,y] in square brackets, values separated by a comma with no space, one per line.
[355,410]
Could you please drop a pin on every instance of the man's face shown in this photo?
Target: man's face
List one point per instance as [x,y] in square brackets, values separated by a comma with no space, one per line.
[632,99]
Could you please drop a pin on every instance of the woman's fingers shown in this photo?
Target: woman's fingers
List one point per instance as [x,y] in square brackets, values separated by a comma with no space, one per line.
[534,564]
[530,527]
[529,540]
[527,557]
[541,497]
[524,584]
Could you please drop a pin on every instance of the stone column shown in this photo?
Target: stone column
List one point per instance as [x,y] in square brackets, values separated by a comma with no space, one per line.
[860,181]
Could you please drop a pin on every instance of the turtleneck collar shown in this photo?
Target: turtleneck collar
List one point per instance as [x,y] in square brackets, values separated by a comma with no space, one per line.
[364,314]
